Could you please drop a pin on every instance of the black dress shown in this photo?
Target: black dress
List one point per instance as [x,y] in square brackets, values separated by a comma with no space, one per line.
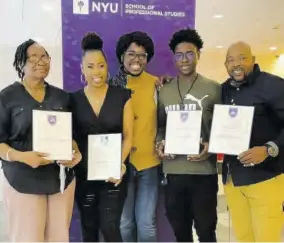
[100,204]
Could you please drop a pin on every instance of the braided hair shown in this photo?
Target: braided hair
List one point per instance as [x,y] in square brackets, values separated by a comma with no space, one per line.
[21,57]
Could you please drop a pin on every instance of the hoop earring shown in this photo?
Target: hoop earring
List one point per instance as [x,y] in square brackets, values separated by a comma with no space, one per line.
[108,76]
[83,80]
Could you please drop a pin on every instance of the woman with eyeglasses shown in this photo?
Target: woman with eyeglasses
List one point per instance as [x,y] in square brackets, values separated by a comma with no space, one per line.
[100,108]
[37,210]
[134,51]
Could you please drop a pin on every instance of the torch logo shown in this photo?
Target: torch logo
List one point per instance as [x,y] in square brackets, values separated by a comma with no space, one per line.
[81,7]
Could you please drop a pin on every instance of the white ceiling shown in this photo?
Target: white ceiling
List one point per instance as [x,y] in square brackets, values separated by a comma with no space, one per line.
[252,21]
[249,20]
[38,19]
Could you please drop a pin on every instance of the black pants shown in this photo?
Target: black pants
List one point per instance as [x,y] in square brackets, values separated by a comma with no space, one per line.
[192,199]
[100,206]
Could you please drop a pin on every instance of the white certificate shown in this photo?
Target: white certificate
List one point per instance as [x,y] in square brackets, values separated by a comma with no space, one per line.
[183,132]
[231,129]
[52,134]
[104,156]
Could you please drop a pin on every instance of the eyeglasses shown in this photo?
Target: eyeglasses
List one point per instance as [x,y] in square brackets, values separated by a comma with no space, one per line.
[132,55]
[36,59]
[180,56]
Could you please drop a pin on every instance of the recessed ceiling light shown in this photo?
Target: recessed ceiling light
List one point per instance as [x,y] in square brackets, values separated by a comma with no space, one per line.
[46,7]
[219,47]
[273,48]
[218,16]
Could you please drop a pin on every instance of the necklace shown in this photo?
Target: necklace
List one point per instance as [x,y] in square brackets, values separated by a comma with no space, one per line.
[190,88]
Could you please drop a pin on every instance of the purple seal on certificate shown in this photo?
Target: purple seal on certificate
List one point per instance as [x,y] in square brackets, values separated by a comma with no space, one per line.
[51,119]
[184,116]
[233,112]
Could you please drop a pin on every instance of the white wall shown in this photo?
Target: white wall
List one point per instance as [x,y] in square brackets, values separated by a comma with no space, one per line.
[211,64]
[24,19]
[8,75]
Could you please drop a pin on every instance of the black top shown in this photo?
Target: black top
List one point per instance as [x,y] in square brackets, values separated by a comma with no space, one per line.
[110,120]
[265,92]
[16,106]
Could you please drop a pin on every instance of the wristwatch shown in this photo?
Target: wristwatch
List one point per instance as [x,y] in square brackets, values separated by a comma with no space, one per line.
[272,149]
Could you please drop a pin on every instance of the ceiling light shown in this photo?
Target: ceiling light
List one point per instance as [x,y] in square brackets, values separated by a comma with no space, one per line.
[273,48]
[218,16]
[46,7]
[219,47]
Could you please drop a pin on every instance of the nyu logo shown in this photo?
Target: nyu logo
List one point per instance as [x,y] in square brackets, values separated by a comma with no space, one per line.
[184,116]
[233,112]
[82,7]
[105,7]
[51,119]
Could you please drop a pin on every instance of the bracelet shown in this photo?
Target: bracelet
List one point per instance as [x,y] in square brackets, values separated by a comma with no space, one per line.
[7,154]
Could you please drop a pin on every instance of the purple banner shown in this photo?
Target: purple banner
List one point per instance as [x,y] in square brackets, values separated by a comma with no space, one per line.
[110,19]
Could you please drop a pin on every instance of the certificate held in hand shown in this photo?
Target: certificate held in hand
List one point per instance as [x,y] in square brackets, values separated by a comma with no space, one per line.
[183,132]
[104,156]
[52,134]
[231,129]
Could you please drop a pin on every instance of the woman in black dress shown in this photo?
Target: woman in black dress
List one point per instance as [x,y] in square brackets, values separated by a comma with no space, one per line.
[100,109]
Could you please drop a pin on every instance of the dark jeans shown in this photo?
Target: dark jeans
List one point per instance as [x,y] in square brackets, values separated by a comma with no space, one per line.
[138,222]
[192,199]
[100,206]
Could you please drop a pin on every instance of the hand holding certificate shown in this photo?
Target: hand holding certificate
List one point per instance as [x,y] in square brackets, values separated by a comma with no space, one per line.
[231,129]
[52,134]
[183,132]
[104,156]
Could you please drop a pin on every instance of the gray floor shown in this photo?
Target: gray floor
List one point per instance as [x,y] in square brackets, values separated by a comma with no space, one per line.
[224,233]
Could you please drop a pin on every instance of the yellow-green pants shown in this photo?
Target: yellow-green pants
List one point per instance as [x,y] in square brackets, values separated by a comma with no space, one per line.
[257,210]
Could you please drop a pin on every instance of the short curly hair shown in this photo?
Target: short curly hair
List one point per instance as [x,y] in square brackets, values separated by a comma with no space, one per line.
[186,35]
[139,38]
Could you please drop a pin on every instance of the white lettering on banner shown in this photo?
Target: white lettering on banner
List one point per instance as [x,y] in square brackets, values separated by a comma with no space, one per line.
[105,7]
[82,7]
[139,6]
[174,14]
[140,9]
[143,12]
